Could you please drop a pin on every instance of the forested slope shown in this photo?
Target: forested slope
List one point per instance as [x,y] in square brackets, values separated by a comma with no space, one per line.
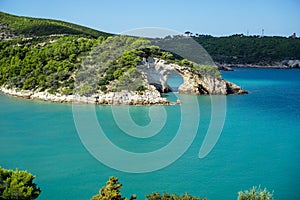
[14,26]
[240,49]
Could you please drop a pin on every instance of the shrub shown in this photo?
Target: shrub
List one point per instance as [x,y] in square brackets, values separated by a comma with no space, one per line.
[103,88]
[29,83]
[256,193]
[86,90]
[17,185]
[111,191]
[67,91]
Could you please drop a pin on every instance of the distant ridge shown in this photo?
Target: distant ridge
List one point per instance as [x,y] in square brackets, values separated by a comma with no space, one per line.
[13,25]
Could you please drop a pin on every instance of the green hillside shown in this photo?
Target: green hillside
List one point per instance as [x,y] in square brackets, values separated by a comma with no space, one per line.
[240,49]
[49,55]
[42,53]
[28,26]
[105,63]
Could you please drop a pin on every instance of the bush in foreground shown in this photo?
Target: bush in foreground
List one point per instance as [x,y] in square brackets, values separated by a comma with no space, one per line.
[256,193]
[17,185]
[111,191]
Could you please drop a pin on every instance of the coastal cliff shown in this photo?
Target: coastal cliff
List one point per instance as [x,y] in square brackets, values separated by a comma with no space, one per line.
[194,82]
[155,73]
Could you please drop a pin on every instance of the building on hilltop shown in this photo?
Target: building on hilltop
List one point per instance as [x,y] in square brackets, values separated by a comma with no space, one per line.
[293,36]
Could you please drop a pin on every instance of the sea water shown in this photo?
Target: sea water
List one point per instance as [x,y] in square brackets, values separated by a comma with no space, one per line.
[258,145]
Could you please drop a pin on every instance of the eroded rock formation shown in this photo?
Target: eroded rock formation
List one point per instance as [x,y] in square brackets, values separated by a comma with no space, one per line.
[157,72]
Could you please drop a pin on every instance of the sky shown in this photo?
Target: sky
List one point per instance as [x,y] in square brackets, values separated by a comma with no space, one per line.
[213,17]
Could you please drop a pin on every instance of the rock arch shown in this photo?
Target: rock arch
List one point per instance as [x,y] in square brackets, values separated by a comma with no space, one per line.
[158,70]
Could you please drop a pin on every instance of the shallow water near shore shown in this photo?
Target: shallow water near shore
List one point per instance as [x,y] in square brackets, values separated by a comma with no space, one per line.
[259,144]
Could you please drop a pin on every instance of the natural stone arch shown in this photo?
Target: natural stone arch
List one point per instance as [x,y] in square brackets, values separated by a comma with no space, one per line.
[175,80]
[158,70]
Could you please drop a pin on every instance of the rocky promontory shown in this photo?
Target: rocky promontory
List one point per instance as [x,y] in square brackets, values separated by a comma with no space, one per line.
[155,73]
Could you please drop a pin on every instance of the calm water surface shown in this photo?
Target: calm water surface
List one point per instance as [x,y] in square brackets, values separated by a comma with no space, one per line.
[259,144]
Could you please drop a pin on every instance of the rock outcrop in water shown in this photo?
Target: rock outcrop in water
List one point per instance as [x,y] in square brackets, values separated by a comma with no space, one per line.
[157,72]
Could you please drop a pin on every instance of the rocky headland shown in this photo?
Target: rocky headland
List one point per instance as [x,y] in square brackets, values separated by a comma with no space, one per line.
[155,72]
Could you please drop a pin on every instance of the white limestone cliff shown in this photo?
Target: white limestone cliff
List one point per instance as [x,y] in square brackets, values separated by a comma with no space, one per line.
[157,72]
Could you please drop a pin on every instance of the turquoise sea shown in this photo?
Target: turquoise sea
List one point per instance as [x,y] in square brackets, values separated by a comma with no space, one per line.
[259,143]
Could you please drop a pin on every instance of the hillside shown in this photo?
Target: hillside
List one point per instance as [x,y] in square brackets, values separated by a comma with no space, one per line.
[14,26]
[41,57]
[240,49]
[43,54]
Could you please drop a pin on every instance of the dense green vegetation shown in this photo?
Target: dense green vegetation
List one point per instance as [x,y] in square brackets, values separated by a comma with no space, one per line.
[113,187]
[54,64]
[240,49]
[111,191]
[124,68]
[28,26]
[43,54]
[119,61]
[112,65]
[17,185]
[43,64]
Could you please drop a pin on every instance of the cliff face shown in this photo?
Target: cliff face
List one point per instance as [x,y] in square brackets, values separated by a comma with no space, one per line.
[157,72]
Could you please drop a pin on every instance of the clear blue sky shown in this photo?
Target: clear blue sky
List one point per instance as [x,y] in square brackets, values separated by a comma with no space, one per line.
[214,17]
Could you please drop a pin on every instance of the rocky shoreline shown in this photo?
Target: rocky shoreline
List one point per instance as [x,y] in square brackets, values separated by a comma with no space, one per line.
[112,98]
[156,73]
[285,64]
